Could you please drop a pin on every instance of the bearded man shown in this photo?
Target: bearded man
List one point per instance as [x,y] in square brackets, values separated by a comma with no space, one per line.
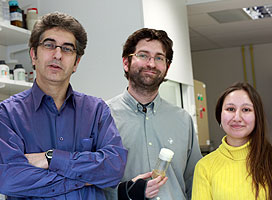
[147,123]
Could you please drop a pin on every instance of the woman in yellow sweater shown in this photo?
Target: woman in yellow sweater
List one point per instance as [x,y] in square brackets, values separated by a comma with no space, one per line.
[241,168]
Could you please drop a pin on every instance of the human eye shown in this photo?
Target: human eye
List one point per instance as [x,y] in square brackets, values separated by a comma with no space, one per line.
[159,59]
[231,109]
[246,109]
[49,45]
[67,49]
[142,56]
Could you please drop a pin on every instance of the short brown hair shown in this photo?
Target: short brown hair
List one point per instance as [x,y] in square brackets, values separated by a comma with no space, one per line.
[150,34]
[63,22]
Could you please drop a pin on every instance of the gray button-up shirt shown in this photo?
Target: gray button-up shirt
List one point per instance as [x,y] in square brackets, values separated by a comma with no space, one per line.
[145,133]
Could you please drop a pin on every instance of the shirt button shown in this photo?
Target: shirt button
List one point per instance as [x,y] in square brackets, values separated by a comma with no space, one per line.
[61,139]
[158,198]
[150,143]
[146,118]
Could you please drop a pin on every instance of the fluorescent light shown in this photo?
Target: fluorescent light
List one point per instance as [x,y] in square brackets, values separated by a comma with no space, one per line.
[259,12]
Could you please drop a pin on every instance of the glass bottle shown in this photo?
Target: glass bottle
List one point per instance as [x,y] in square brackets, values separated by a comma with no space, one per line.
[16,17]
[163,162]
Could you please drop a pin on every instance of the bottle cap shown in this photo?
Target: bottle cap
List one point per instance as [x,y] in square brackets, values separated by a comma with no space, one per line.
[13,3]
[10,71]
[32,10]
[18,66]
[2,62]
[166,154]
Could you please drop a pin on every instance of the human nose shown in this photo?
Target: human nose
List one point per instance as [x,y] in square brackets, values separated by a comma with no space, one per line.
[237,116]
[58,53]
[151,61]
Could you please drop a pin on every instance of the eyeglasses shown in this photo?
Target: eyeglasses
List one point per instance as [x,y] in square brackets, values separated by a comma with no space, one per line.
[68,49]
[158,59]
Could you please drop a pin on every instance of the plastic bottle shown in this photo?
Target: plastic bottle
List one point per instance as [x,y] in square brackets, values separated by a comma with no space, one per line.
[2,197]
[4,70]
[16,17]
[5,11]
[163,162]
[19,73]
[31,17]
[11,75]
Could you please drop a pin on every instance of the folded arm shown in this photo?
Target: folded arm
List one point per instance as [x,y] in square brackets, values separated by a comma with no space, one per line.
[23,174]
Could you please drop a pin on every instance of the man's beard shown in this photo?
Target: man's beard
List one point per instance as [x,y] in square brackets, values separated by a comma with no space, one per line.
[146,82]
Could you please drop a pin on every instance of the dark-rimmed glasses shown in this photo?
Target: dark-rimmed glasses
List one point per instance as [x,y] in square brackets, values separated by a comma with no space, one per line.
[68,49]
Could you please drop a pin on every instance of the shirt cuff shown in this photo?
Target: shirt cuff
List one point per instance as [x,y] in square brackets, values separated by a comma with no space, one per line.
[60,161]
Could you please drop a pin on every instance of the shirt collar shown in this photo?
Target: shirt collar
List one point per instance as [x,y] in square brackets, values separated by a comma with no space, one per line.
[234,153]
[136,106]
[38,95]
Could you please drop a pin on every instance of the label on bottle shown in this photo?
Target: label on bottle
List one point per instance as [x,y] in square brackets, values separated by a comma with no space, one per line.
[21,76]
[4,72]
[16,16]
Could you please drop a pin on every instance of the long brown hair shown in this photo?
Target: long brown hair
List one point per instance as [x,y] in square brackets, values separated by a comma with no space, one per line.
[259,159]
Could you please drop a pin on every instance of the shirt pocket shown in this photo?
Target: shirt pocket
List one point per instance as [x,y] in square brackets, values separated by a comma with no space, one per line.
[87,144]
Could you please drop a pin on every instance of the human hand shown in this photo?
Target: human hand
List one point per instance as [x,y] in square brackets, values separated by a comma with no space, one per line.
[37,160]
[152,186]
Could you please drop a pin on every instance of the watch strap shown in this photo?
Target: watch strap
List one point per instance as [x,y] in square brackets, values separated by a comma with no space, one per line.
[49,155]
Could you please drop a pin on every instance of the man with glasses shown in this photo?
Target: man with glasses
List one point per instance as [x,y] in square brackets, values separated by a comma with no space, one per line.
[148,123]
[56,143]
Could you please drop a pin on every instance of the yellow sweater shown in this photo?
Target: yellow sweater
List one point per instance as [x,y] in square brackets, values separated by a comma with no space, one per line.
[222,175]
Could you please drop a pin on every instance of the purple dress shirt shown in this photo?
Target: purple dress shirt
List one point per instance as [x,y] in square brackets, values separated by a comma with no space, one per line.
[87,147]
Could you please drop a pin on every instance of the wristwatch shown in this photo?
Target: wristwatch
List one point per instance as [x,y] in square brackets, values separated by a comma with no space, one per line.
[49,155]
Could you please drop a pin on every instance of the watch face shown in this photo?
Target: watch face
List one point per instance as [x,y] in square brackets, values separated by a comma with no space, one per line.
[49,154]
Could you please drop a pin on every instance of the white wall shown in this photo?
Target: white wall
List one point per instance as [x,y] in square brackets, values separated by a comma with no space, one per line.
[2,52]
[171,16]
[108,24]
[220,68]
[191,2]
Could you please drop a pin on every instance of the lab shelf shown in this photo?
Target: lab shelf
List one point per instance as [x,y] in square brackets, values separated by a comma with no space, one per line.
[10,87]
[15,39]
[13,35]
